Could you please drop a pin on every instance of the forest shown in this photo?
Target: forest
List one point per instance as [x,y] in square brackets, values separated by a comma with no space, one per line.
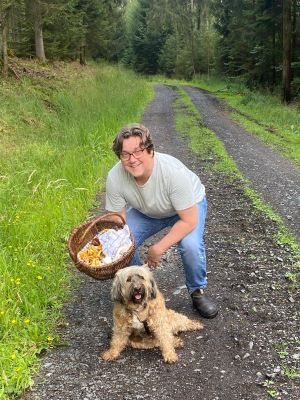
[253,41]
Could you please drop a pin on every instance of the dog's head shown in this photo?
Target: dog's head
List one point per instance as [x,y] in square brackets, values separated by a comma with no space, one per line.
[133,286]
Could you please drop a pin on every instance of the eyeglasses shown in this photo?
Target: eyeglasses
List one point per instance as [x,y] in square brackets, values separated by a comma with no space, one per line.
[136,154]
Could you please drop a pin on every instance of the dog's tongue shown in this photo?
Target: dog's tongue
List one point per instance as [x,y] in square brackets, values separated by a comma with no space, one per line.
[138,296]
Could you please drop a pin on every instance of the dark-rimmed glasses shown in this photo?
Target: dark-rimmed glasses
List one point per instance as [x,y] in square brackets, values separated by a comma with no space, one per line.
[124,156]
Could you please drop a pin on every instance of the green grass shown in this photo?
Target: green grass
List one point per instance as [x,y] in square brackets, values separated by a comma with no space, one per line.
[55,140]
[202,140]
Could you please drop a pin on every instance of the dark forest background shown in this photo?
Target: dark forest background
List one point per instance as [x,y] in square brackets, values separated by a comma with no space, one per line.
[255,41]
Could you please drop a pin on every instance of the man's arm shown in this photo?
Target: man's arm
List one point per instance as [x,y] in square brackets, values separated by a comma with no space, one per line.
[122,213]
[186,224]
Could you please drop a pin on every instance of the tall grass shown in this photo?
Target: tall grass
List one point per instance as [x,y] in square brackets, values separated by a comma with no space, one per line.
[55,140]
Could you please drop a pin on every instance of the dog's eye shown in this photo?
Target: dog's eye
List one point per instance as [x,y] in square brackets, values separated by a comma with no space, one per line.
[141,277]
[129,279]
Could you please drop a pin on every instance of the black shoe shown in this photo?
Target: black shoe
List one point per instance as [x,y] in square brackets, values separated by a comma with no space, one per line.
[204,305]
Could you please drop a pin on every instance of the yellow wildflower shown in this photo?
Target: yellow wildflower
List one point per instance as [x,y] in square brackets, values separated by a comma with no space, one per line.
[26,321]
[13,356]
[39,277]
[13,321]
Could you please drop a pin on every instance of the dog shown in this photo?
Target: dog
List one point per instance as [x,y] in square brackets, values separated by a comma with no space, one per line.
[141,318]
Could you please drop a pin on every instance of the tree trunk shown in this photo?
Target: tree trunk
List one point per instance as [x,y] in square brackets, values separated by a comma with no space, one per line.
[35,9]
[4,43]
[273,79]
[294,34]
[286,54]
[39,41]
[192,14]
[82,58]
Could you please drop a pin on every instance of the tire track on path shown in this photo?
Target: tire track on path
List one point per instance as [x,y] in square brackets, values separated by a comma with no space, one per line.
[272,175]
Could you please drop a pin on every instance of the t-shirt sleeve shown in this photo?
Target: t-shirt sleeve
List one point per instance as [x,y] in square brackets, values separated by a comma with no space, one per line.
[114,200]
[181,190]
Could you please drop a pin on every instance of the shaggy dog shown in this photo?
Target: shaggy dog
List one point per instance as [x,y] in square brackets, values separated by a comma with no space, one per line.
[141,318]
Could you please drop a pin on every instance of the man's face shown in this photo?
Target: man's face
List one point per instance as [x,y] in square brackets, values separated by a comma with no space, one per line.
[139,167]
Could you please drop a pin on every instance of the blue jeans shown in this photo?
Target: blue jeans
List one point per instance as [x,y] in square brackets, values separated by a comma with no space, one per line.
[191,247]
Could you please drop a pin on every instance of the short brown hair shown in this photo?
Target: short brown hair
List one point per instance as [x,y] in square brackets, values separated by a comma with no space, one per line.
[133,130]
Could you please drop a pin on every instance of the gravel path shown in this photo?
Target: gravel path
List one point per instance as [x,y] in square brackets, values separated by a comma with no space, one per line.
[236,356]
[273,176]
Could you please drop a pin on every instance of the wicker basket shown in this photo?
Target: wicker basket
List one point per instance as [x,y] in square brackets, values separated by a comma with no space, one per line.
[85,232]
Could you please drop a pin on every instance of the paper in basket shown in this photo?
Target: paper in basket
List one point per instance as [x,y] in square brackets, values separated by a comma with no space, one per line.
[114,243]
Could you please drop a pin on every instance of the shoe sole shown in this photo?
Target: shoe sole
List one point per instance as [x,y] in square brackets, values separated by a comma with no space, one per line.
[206,316]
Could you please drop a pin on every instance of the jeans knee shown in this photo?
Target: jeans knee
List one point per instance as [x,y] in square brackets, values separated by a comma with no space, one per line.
[192,256]
[191,247]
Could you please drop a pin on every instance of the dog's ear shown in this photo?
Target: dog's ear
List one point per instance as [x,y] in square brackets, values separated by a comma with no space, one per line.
[116,290]
[153,291]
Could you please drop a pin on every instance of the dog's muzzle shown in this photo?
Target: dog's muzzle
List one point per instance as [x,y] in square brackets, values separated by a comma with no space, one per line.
[138,295]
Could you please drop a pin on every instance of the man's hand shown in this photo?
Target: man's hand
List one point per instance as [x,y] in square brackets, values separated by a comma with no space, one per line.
[187,222]
[154,255]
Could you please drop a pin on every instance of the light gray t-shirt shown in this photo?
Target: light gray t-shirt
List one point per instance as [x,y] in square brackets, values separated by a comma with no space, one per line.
[171,186]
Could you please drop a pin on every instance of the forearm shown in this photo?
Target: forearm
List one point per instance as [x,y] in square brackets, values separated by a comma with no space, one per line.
[178,231]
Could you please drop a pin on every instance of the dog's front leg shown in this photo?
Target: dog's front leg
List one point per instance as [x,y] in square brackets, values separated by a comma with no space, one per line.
[118,343]
[166,344]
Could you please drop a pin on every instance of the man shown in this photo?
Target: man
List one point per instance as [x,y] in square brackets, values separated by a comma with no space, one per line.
[153,191]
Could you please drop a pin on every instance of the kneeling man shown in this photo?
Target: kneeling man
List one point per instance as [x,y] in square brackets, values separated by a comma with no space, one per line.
[153,191]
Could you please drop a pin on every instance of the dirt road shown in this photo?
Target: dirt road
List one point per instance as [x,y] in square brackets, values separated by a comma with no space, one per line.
[248,352]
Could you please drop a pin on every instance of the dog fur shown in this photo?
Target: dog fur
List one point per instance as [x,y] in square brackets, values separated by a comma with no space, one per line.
[141,318]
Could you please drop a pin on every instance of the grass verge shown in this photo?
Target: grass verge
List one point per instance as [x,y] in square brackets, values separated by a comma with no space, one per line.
[55,140]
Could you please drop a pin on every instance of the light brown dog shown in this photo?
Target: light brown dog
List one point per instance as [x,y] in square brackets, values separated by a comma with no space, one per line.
[141,318]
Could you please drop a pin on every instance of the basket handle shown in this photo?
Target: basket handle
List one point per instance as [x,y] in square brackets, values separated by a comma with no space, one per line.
[96,220]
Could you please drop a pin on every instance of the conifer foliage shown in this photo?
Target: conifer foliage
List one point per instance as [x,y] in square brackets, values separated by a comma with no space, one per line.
[173,37]
[253,40]
[61,29]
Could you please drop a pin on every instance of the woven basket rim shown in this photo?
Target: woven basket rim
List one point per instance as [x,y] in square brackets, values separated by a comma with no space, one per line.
[104,271]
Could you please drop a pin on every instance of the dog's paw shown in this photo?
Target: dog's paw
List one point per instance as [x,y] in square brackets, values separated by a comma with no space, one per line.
[110,355]
[195,325]
[170,358]
[178,343]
